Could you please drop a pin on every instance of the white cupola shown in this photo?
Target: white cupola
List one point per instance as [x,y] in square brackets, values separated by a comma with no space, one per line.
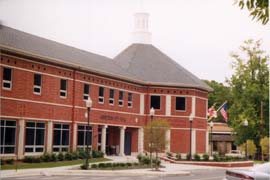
[141,33]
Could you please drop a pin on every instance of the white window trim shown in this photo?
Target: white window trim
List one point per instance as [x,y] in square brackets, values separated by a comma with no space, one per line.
[130,102]
[61,134]
[121,100]
[85,95]
[34,146]
[111,103]
[9,82]
[39,87]
[63,91]
[101,98]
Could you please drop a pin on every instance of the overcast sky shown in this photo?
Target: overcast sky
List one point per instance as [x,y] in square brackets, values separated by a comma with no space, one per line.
[198,34]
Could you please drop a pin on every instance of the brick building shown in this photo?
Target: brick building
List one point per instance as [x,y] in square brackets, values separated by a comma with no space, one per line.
[45,85]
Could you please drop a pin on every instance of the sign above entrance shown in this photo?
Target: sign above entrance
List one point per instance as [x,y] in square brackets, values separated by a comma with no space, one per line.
[116,118]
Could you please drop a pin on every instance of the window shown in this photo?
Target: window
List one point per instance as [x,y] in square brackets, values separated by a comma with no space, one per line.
[8,137]
[86,91]
[120,99]
[7,78]
[111,99]
[63,88]
[35,135]
[101,95]
[180,104]
[129,99]
[84,136]
[37,84]
[155,102]
[100,138]
[60,137]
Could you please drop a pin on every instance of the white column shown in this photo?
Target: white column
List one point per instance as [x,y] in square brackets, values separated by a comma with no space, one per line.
[122,141]
[168,140]
[103,139]
[142,104]
[168,105]
[140,140]
[193,109]
[75,128]
[193,138]
[49,137]
[21,138]
[207,142]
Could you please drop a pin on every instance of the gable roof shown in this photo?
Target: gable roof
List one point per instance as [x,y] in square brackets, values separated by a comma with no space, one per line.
[139,63]
[149,64]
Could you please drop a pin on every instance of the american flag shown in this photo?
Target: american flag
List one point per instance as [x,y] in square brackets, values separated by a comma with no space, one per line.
[223,112]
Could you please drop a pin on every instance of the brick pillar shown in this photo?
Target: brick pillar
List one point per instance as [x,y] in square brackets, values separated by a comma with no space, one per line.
[94,136]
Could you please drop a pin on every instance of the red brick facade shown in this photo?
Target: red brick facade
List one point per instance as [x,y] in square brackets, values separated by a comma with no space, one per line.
[21,103]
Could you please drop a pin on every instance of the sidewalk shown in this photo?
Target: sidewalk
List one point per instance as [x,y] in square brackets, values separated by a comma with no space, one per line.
[169,170]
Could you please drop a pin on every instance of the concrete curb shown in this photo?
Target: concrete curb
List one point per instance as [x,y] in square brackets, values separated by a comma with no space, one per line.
[46,172]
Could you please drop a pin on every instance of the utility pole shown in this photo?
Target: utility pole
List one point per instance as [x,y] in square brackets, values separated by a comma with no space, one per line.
[262,128]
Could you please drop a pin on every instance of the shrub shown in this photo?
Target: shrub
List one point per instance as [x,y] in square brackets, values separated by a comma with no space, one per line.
[101,165]
[81,154]
[9,161]
[216,157]
[197,157]
[84,166]
[2,162]
[28,159]
[139,157]
[156,162]
[60,156]
[108,165]
[205,157]
[94,166]
[128,164]
[46,157]
[68,156]
[135,164]
[54,157]
[97,154]
[75,155]
[188,156]
[146,160]
[169,155]
[122,164]
[178,157]
[36,159]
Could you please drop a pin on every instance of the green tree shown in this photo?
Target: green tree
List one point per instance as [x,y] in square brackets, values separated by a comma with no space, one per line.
[251,148]
[258,9]
[264,143]
[218,96]
[250,87]
[155,136]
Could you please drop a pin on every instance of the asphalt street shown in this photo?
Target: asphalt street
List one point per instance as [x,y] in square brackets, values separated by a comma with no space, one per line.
[211,174]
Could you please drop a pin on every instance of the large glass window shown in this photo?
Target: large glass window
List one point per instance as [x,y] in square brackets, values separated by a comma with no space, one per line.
[101,95]
[35,137]
[37,84]
[180,104]
[60,137]
[63,88]
[155,102]
[7,78]
[86,91]
[111,99]
[129,99]
[8,137]
[84,136]
[121,98]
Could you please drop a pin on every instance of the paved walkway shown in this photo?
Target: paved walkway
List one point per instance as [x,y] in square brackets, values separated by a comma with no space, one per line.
[169,170]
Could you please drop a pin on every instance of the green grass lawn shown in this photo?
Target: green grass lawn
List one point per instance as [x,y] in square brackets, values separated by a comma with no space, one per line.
[22,165]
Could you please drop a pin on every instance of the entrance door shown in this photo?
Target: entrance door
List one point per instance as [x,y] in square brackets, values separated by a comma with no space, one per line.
[127,143]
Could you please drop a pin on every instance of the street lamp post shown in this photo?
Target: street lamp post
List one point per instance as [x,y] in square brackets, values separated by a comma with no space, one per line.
[190,121]
[88,103]
[211,137]
[246,125]
[152,113]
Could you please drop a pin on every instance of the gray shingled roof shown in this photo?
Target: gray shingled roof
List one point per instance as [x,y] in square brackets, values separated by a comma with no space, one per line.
[151,65]
[139,62]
